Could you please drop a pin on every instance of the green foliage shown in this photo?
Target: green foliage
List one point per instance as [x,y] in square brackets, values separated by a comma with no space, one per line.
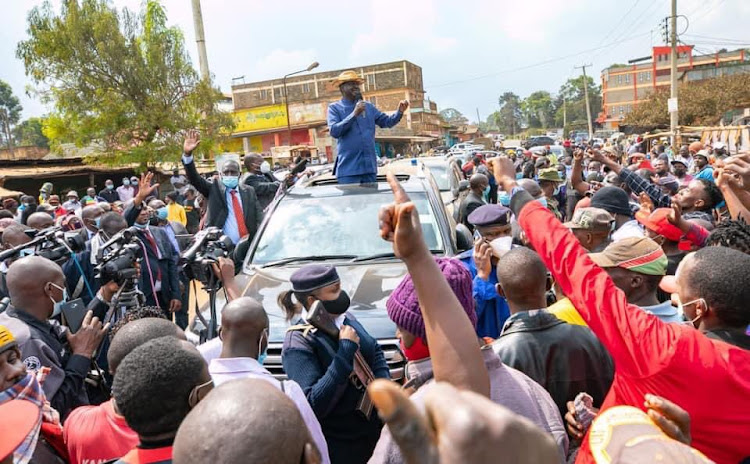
[700,103]
[119,80]
[10,113]
[571,100]
[538,109]
[30,132]
[509,118]
[454,117]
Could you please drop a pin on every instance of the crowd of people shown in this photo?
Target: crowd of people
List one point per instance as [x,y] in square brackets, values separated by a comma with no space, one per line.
[600,317]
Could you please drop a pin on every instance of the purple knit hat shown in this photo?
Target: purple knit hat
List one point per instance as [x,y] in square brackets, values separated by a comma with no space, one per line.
[403,305]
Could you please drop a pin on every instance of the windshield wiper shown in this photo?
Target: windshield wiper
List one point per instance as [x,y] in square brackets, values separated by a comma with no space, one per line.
[386,255]
[296,259]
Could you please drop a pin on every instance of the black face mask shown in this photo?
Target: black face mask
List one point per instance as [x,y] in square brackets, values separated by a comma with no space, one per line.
[337,306]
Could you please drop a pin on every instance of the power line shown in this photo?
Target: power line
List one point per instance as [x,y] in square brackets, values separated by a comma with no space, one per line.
[714,39]
[611,31]
[632,24]
[540,63]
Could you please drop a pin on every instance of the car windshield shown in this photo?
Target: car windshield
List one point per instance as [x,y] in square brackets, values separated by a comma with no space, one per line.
[343,225]
[440,173]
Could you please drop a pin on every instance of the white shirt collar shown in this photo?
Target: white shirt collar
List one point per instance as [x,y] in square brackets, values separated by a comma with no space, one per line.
[236,366]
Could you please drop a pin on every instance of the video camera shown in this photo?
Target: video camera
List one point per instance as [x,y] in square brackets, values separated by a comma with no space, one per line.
[206,248]
[117,263]
[51,243]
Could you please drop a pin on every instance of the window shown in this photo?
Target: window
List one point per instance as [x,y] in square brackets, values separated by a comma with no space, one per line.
[627,78]
[622,109]
[263,94]
[619,79]
[370,81]
[278,94]
[306,87]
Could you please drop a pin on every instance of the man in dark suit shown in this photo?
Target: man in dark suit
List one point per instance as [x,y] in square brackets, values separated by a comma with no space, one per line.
[264,184]
[478,185]
[232,207]
[159,281]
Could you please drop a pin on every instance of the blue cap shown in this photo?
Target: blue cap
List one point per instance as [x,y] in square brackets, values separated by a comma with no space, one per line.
[312,277]
[490,215]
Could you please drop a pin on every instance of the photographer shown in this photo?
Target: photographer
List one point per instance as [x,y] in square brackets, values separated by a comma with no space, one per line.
[36,290]
[159,280]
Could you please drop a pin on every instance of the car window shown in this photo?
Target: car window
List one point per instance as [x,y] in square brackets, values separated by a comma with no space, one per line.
[440,173]
[335,225]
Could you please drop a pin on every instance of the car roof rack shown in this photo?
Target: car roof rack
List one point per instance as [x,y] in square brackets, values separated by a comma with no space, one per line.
[331,180]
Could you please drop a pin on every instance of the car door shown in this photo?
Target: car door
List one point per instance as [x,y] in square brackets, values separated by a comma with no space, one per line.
[456,176]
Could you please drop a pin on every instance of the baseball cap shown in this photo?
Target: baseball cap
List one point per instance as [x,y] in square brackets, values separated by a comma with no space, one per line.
[637,254]
[7,340]
[590,219]
[658,221]
[702,153]
[626,435]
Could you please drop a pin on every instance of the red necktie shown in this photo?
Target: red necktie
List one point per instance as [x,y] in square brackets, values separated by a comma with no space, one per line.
[156,252]
[238,216]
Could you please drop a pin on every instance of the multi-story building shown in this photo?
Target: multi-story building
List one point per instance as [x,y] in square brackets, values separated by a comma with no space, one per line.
[625,86]
[260,109]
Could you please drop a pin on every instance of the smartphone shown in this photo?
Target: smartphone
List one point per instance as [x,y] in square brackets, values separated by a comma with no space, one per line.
[74,311]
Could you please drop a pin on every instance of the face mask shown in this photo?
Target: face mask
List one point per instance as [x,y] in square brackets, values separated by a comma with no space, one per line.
[230,181]
[265,167]
[418,350]
[141,226]
[134,182]
[698,314]
[161,213]
[59,304]
[337,306]
[197,204]
[501,245]
[262,353]
[503,198]
[22,207]
[110,186]
[486,191]
[543,201]
[557,190]
[126,182]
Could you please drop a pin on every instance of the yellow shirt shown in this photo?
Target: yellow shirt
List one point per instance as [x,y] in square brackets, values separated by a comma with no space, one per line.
[176,213]
[565,311]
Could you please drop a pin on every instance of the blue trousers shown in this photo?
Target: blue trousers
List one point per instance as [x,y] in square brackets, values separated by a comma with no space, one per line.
[358,179]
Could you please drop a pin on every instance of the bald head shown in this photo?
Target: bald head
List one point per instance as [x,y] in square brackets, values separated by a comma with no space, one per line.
[40,221]
[267,428]
[523,279]
[14,235]
[253,162]
[30,285]
[531,187]
[89,215]
[244,325]
[136,333]
[111,223]
[230,168]
[478,182]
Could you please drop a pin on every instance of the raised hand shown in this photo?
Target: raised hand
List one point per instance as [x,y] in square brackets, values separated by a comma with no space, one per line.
[482,255]
[146,189]
[675,217]
[459,426]
[504,171]
[646,204]
[739,165]
[399,223]
[578,155]
[403,105]
[192,139]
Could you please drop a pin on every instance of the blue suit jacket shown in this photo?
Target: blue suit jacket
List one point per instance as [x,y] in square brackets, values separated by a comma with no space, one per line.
[492,309]
[356,136]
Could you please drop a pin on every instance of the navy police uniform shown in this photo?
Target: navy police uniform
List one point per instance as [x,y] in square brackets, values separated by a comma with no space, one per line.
[323,368]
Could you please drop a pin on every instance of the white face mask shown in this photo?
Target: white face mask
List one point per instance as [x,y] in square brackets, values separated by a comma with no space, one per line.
[265,167]
[197,204]
[698,314]
[501,245]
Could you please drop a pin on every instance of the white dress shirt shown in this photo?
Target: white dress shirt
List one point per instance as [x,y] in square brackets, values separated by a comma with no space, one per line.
[226,369]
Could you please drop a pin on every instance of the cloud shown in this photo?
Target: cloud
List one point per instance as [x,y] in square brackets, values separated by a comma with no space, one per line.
[527,20]
[402,24]
[280,62]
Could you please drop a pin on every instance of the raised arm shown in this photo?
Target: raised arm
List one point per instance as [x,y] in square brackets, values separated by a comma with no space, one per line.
[729,186]
[453,343]
[576,176]
[192,139]
[629,333]
[385,121]
[635,182]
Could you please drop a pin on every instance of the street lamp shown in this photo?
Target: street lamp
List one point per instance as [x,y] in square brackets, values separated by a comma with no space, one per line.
[312,66]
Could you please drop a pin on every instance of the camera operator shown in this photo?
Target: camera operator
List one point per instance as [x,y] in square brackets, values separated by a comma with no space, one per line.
[37,292]
[159,281]
[13,236]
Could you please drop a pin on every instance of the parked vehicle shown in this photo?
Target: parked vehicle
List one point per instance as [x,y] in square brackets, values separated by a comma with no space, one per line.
[318,220]
[449,179]
[539,140]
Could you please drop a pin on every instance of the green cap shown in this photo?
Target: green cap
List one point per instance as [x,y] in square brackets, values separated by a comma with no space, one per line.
[550,174]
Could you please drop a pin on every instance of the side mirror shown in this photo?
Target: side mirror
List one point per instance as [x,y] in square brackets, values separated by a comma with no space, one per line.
[464,238]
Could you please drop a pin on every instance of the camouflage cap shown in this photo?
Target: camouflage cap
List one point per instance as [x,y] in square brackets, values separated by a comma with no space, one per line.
[590,219]
[550,174]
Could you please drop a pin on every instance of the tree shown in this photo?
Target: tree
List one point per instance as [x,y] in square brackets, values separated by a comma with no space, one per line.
[700,103]
[454,117]
[119,80]
[571,101]
[509,117]
[538,109]
[10,113]
[30,132]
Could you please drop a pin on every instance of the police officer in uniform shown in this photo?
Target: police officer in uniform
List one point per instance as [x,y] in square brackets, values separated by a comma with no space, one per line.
[323,366]
[493,236]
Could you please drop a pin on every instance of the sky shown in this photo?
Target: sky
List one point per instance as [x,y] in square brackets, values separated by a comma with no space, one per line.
[470,51]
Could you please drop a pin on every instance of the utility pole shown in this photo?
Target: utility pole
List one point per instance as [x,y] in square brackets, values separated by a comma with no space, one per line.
[565,113]
[673,115]
[586,98]
[200,39]
[479,120]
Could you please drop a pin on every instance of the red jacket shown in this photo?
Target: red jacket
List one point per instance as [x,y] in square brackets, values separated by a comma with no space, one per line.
[708,378]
